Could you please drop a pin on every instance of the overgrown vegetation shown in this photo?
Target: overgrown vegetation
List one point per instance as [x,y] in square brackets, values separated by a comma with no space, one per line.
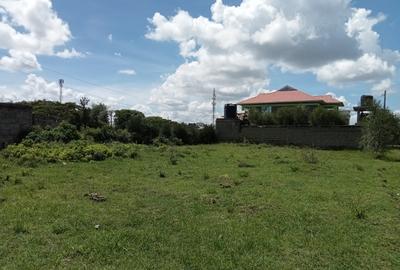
[57,122]
[380,130]
[298,116]
[220,206]
[33,154]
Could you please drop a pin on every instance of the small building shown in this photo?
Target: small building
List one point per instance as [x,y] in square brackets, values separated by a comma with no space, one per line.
[287,97]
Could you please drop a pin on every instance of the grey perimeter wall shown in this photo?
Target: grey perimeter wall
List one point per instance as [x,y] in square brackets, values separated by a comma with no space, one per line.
[319,137]
[15,120]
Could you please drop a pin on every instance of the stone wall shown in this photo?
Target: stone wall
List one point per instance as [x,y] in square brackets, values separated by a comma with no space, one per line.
[319,137]
[15,121]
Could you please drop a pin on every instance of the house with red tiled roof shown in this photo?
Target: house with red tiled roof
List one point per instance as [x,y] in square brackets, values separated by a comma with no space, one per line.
[286,97]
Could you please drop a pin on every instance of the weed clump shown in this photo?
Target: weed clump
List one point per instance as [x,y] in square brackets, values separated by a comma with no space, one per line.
[162,174]
[19,228]
[226,181]
[243,174]
[173,159]
[243,164]
[310,157]
[359,167]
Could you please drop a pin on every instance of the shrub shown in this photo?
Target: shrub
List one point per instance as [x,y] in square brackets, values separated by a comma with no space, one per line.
[324,117]
[207,135]
[97,152]
[120,150]
[159,141]
[122,135]
[261,118]
[124,151]
[65,133]
[100,135]
[292,116]
[380,129]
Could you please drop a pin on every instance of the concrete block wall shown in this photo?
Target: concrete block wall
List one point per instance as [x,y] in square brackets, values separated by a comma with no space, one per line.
[319,137]
[15,120]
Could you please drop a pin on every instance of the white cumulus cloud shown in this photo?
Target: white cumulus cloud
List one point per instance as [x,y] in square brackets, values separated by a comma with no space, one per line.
[31,28]
[384,85]
[369,68]
[19,60]
[66,54]
[233,50]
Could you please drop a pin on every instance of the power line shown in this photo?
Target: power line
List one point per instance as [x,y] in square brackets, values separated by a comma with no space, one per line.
[83,80]
[80,90]
[95,96]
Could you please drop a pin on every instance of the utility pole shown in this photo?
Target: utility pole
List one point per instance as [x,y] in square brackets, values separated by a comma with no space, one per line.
[111,117]
[384,99]
[61,84]
[214,103]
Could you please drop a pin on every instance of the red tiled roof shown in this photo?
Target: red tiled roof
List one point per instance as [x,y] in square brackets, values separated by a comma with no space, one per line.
[289,95]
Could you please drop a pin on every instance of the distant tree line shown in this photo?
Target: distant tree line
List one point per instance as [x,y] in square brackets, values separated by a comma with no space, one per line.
[66,122]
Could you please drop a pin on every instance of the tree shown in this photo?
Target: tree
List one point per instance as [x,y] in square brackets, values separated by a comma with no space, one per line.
[324,117]
[128,119]
[98,115]
[380,129]
[85,117]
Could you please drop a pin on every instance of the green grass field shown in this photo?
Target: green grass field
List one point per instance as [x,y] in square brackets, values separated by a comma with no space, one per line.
[204,207]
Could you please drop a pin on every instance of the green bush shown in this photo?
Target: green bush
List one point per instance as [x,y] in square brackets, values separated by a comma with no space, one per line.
[100,135]
[97,152]
[65,133]
[324,117]
[291,116]
[261,118]
[380,129]
[207,135]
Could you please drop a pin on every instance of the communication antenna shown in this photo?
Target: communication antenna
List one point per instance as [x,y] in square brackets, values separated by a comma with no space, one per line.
[61,84]
[214,103]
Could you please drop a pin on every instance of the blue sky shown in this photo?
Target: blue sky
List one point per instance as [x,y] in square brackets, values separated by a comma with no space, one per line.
[155,86]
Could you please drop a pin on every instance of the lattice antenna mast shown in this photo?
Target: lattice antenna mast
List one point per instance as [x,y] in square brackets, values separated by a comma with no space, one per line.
[214,104]
[61,84]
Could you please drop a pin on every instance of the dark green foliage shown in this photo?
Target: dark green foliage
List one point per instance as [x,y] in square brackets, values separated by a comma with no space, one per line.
[298,116]
[103,134]
[129,126]
[261,118]
[380,129]
[98,116]
[129,119]
[207,135]
[180,132]
[49,113]
[323,117]
[65,133]
[292,116]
